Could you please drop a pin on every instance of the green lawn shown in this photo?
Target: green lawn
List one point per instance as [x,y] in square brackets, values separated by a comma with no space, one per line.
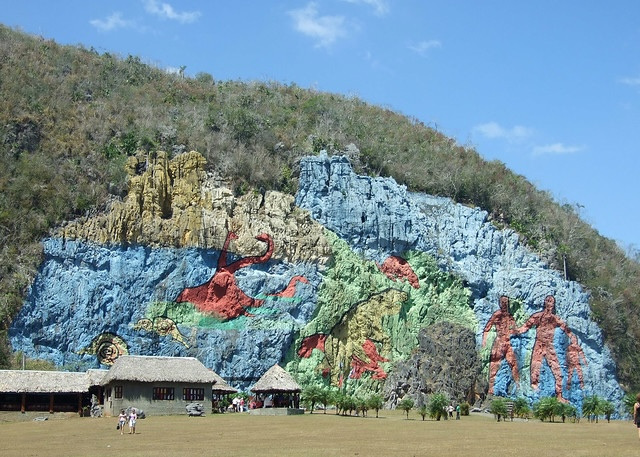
[312,435]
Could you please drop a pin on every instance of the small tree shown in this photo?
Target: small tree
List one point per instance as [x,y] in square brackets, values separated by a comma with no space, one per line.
[629,400]
[592,407]
[499,407]
[423,411]
[406,405]
[547,408]
[361,406]
[325,397]
[375,402]
[521,407]
[607,409]
[340,400]
[310,396]
[437,403]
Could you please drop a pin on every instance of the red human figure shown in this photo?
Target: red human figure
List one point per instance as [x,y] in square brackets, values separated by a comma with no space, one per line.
[546,323]
[574,355]
[501,349]
[221,296]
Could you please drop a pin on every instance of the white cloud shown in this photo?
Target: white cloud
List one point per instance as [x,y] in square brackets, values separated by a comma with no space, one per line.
[423,46]
[166,11]
[380,7]
[113,22]
[325,29]
[631,81]
[556,149]
[493,130]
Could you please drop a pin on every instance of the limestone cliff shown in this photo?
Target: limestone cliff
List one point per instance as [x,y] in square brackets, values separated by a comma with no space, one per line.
[342,284]
[173,203]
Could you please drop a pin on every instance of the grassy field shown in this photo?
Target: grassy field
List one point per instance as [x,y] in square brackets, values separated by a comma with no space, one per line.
[312,435]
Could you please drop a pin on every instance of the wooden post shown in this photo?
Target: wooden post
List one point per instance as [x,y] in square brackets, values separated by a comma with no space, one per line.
[51,403]
[80,404]
[23,406]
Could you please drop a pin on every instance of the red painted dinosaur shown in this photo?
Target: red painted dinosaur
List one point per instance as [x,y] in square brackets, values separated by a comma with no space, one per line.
[221,296]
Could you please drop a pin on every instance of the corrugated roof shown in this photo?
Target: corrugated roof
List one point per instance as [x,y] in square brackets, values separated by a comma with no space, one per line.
[159,369]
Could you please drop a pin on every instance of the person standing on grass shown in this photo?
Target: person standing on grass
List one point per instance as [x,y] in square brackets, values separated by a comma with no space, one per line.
[133,417]
[636,413]
[122,419]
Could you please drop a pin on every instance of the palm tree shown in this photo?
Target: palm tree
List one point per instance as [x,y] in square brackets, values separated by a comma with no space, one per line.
[437,403]
[499,407]
[592,407]
[312,395]
[375,402]
[406,404]
[326,396]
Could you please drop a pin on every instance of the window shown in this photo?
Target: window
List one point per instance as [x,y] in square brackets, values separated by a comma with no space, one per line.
[117,391]
[163,393]
[192,394]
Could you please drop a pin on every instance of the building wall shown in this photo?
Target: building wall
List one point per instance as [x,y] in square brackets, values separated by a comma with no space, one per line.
[140,396]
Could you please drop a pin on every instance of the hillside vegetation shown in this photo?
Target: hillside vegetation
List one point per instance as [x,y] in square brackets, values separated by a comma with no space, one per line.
[70,116]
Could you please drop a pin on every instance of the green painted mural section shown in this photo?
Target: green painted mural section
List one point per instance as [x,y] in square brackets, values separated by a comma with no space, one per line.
[360,307]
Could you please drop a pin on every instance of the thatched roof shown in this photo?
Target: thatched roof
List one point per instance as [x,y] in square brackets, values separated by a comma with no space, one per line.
[220,386]
[276,380]
[96,376]
[31,381]
[158,369]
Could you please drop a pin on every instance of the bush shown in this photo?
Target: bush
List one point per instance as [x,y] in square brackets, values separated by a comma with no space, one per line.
[499,408]
[437,404]
[464,408]
[547,408]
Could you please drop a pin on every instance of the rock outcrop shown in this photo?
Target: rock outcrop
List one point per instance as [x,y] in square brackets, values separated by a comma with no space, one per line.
[445,361]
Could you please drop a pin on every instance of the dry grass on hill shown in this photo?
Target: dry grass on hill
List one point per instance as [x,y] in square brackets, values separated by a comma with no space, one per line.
[313,435]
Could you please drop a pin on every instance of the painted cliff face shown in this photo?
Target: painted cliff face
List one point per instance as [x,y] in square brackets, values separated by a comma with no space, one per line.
[552,337]
[181,267]
[222,297]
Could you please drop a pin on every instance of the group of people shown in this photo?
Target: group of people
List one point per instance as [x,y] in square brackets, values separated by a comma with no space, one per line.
[237,404]
[450,409]
[131,418]
[545,322]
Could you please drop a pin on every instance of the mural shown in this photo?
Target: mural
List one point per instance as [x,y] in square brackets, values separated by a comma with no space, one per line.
[221,297]
[352,347]
[338,299]
[162,326]
[107,347]
[544,348]
[501,349]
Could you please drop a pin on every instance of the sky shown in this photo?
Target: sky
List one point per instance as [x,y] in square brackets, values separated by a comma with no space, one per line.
[550,88]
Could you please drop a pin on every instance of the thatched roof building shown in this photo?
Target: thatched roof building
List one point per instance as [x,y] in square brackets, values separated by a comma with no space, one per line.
[53,391]
[31,381]
[221,387]
[276,380]
[159,369]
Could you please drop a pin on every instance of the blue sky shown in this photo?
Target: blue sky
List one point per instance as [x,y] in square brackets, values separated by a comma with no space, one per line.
[550,88]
